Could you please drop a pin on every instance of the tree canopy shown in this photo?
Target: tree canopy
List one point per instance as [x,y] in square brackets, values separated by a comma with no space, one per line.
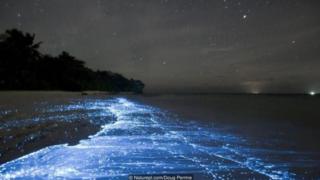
[24,67]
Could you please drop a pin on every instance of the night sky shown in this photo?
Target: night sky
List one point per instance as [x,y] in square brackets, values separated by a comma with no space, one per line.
[254,46]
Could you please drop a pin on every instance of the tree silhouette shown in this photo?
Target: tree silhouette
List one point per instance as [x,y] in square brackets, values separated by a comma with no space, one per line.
[23,67]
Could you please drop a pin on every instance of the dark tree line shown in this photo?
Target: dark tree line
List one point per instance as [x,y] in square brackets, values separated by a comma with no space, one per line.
[23,67]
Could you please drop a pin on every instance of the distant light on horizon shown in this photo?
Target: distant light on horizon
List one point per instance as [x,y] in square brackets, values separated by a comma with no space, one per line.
[312,93]
[255,91]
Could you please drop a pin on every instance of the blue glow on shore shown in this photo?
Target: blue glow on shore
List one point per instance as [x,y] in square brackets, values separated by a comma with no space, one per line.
[146,140]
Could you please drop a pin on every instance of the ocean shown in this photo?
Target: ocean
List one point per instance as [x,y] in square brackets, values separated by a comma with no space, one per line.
[50,135]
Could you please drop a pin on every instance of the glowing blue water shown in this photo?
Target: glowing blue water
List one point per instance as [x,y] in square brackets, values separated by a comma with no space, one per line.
[143,139]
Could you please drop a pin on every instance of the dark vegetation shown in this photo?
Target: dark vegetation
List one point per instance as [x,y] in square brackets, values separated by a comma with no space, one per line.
[23,67]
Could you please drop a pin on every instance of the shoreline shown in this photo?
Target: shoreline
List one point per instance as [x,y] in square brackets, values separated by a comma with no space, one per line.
[66,92]
[19,141]
[97,92]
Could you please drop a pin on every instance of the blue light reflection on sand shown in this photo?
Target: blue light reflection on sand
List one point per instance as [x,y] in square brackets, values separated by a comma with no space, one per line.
[144,139]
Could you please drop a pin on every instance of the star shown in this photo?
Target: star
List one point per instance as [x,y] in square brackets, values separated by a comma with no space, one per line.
[244,16]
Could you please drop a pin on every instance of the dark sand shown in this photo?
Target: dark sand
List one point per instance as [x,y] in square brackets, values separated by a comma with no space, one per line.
[18,106]
[17,142]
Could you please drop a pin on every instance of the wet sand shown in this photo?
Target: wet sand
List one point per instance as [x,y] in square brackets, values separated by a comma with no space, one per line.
[17,142]
[17,107]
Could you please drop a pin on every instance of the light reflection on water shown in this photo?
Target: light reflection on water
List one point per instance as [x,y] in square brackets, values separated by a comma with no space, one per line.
[144,139]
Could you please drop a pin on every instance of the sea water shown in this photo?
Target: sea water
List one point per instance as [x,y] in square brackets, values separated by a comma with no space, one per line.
[137,138]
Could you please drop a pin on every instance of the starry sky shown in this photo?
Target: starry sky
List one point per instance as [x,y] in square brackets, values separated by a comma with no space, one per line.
[254,46]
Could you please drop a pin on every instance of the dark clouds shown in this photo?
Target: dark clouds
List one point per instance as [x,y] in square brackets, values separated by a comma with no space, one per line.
[185,45]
